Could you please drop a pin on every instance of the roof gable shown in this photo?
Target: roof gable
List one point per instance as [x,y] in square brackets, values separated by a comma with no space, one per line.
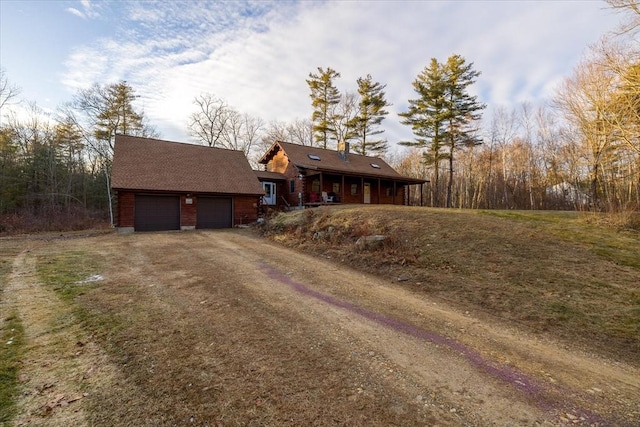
[157,165]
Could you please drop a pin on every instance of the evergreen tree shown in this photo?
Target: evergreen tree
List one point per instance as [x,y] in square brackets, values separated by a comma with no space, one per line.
[442,116]
[70,147]
[324,96]
[462,110]
[107,111]
[12,185]
[371,112]
[427,116]
[117,114]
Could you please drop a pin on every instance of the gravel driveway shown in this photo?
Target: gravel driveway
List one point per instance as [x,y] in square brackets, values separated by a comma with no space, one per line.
[226,328]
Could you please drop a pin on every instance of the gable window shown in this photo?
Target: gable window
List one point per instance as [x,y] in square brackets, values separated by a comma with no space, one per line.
[314,157]
[375,165]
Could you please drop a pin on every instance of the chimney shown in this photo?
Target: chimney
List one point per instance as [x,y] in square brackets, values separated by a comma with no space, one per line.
[343,150]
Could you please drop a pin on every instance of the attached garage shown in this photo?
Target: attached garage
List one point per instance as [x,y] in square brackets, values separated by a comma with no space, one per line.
[214,212]
[157,212]
[163,185]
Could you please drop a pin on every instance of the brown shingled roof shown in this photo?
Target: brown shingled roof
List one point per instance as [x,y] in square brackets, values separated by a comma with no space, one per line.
[156,165]
[330,161]
[274,176]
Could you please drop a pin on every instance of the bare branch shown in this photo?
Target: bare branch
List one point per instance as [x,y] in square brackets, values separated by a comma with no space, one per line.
[7,90]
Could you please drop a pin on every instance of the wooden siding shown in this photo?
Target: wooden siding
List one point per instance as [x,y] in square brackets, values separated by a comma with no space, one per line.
[126,209]
[188,211]
[291,172]
[245,209]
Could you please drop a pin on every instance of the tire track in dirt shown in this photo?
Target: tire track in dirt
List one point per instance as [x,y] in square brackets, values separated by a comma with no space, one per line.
[520,381]
[61,364]
[568,401]
[243,362]
[439,378]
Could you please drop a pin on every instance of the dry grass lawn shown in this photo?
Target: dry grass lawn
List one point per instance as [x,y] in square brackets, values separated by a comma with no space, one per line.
[556,274]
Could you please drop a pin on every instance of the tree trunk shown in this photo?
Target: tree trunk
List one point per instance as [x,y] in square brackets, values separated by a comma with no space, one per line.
[450,183]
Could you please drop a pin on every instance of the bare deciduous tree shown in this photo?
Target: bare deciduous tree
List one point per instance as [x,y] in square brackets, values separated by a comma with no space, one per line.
[216,124]
[631,8]
[341,117]
[8,91]
[602,106]
[300,131]
[208,124]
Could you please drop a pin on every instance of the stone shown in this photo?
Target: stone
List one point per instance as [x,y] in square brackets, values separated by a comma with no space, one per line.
[370,241]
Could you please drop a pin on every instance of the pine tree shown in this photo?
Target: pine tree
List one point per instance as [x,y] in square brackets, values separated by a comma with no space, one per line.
[324,96]
[427,118]
[108,110]
[442,116]
[463,110]
[371,113]
[117,114]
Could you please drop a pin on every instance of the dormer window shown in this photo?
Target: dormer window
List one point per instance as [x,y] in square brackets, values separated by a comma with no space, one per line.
[375,165]
[314,157]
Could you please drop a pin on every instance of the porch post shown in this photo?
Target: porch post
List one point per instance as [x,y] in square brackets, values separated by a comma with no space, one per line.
[379,191]
[393,199]
[362,189]
[342,190]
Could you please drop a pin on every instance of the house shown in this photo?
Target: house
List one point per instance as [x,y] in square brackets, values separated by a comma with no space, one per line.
[298,175]
[567,195]
[163,185]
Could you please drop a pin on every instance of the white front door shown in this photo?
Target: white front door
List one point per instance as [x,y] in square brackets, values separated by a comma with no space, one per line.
[269,197]
[367,192]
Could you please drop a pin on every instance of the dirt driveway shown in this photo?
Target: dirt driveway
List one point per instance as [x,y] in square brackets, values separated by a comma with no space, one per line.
[225,328]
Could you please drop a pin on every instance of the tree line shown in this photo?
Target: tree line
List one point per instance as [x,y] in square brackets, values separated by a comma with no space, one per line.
[581,151]
[55,169]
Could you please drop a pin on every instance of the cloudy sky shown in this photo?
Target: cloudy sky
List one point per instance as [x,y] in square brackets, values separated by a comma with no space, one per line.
[257,55]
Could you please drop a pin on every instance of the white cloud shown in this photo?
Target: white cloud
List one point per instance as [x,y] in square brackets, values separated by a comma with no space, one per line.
[76,12]
[258,55]
[86,10]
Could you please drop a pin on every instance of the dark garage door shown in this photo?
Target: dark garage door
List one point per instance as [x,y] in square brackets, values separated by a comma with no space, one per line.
[154,213]
[214,212]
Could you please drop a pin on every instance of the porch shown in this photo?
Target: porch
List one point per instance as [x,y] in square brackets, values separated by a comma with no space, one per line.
[323,188]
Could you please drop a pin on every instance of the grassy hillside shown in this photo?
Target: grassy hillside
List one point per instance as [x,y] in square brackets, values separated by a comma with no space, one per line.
[557,274]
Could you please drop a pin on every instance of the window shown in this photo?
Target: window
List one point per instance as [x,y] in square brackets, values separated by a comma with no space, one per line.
[375,165]
[314,157]
[354,189]
[336,187]
[315,185]
[292,186]
[389,191]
